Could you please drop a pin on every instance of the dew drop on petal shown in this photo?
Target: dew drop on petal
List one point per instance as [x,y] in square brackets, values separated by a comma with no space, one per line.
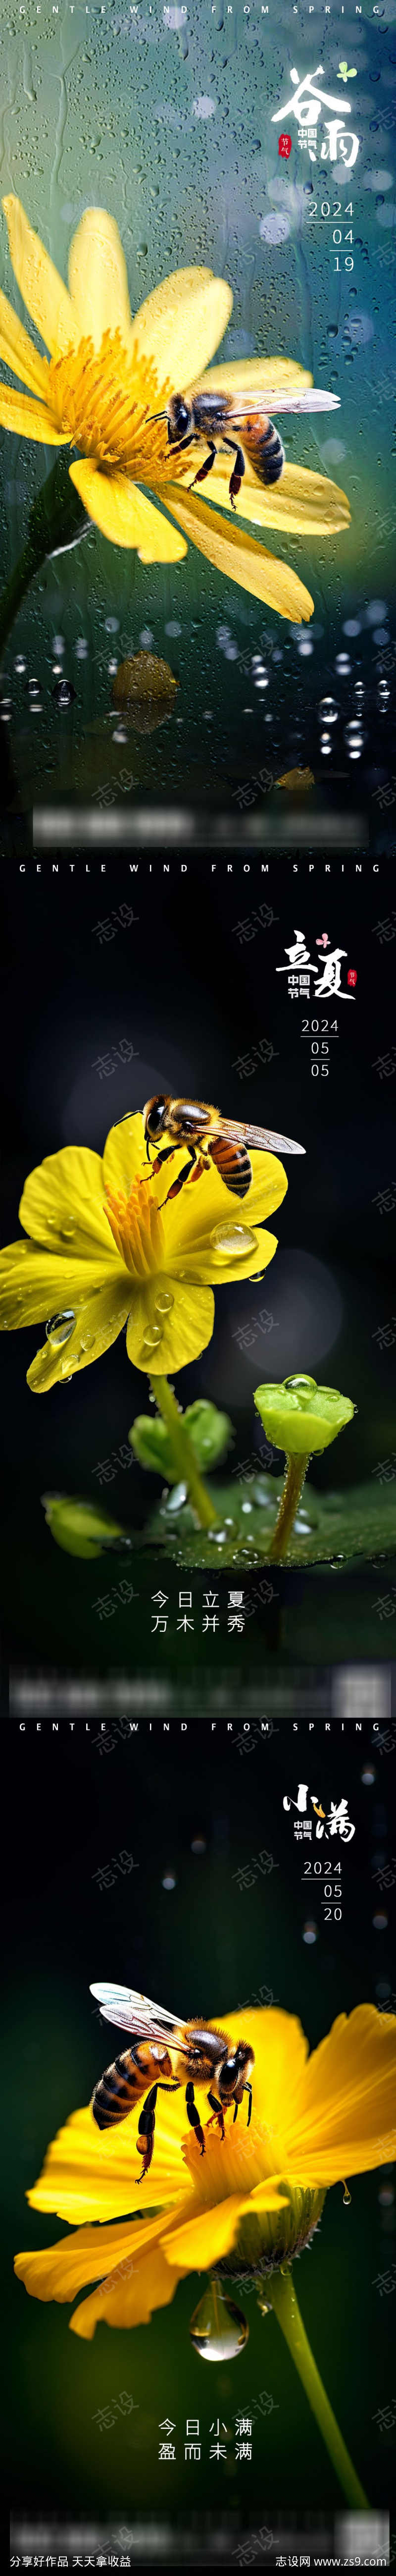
[218,2329]
[347,2196]
[60,1328]
[163,1302]
[67,1230]
[152,1335]
[232,1242]
[301,1385]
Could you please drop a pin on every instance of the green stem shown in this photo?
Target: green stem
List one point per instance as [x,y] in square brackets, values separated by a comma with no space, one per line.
[55,521]
[296,1469]
[279,2289]
[183,1452]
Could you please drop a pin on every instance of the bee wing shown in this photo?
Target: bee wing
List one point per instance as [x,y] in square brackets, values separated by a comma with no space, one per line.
[134,2012]
[264,1137]
[272,400]
[310,400]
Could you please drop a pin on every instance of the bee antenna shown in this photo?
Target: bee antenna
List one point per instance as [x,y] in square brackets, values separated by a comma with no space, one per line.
[157,415]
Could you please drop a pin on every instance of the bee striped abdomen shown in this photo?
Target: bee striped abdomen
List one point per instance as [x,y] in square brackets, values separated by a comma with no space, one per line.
[272,455]
[117,2091]
[233,1163]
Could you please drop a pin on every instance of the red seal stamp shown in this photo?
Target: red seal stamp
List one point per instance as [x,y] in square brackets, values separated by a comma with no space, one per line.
[351,976]
[284,146]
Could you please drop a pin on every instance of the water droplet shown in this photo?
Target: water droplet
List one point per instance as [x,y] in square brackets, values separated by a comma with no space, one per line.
[67,1230]
[218,2329]
[328,711]
[163,1302]
[176,1498]
[219,1537]
[232,1242]
[60,1328]
[301,1385]
[63,693]
[347,2196]
[66,1372]
[87,1341]
[151,1337]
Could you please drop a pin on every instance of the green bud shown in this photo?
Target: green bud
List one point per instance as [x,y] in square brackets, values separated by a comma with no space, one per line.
[81,1528]
[210,1433]
[300,1416]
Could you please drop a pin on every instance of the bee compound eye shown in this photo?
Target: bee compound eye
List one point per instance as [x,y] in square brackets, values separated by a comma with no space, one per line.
[155,1117]
[180,421]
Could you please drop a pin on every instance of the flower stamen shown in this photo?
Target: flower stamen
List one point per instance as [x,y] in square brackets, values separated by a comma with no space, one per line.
[136,1226]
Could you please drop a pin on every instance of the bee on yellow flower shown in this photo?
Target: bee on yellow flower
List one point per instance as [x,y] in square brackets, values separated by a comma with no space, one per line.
[106,378]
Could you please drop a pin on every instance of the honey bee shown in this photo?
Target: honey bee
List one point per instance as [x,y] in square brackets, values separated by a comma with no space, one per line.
[240,421]
[196,1124]
[167,2052]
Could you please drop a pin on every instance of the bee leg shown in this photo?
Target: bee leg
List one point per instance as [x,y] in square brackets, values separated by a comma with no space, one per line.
[248,2089]
[235,2113]
[178,1185]
[165,1157]
[237,471]
[217,2113]
[206,468]
[146,2126]
[193,2116]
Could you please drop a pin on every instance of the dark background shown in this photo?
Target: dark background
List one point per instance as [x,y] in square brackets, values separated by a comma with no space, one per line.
[192,999]
[203,1945]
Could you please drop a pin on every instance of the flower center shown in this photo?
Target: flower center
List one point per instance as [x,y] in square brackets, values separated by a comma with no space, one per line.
[136,1225]
[233,2163]
[103,399]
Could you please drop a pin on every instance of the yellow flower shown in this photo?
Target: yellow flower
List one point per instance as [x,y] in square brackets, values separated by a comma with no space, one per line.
[251,2200]
[104,1250]
[107,375]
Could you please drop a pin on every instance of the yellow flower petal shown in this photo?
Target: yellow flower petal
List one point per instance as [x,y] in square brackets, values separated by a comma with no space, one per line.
[36,1284]
[200,2242]
[124,1156]
[29,419]
[185,1329]
[343,2118]
[98,278]
[99,1319]
[215,1269]
[189,311]
[204,1204]
[238,557]
[43,290]
[86,2255]
[281,2052]
[253,375]
[128,2301]
[302,503]
[19,352]
[125,515]
[93,2172]
[62,1203]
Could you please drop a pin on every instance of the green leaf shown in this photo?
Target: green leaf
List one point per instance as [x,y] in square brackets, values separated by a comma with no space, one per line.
[301,1417]
[330,1529]
[210,1433]
[81,1528]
